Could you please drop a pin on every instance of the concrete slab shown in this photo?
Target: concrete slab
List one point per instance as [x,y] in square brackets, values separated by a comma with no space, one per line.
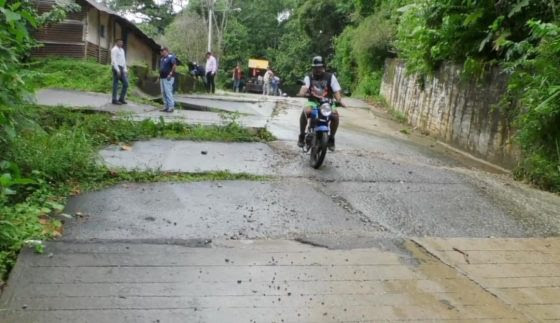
[525,273]
[262,159]
[189,156]
[257,118]
[431,209]
[70,98]
[250,107]
[359,165]
[206,210]
[200,117]
[245,281]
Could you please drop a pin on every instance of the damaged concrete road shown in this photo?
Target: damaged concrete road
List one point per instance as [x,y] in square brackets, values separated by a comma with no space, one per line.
[393,227]
[252,113]
[243,281]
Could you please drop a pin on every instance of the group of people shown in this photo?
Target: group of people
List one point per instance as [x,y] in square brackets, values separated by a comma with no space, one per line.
[317,83]
[269,81]
[167,75]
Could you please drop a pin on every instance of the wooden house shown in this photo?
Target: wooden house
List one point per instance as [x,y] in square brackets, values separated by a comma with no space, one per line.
[91,33]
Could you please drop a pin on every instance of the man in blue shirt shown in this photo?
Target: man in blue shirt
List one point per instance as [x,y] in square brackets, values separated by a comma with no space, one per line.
[167,66]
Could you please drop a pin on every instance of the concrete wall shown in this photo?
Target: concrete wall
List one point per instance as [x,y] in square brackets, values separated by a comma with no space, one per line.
[94,27]
[138,53]
[460,113]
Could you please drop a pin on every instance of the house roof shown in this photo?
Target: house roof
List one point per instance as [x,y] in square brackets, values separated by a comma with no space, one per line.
[125,23]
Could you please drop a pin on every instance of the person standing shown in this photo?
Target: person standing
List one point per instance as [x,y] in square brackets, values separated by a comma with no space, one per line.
[118,65]
[237,77]
[275,85]
[267,79]
[167,66]
[211,69]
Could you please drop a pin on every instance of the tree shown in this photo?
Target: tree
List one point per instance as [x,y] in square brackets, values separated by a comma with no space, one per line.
[157,14]
[189,45]
[17,19]
[322,21]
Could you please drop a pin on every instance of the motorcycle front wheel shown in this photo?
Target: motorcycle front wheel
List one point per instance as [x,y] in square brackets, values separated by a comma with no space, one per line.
[319,149]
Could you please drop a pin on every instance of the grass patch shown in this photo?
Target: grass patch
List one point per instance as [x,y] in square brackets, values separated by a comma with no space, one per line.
[79,75]
[73,74]
[405,131]
[397,115]
[113,177]
[103,129]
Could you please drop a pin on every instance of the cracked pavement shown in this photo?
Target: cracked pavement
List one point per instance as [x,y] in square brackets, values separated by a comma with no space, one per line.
[393,227]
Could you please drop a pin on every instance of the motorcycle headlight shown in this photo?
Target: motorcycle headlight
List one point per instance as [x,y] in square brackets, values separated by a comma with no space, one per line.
[326,110]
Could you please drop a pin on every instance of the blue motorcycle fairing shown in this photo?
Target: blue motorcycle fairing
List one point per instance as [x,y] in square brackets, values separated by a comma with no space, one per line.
[322,124]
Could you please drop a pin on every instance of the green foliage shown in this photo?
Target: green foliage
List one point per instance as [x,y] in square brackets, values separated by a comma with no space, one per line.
[293,44]
[11,181]
[17,18]
[369,85]
[188,46]
[157,14]
[362,48]
[60,155]
[321,21]
[535,85]
[115,177]
[68,73]
[480,33]
[15,41]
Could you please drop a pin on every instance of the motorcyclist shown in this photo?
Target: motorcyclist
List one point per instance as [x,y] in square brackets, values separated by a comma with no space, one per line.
[316,85]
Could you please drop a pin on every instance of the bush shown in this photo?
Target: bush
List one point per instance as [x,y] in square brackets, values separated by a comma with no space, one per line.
[61,155]
[361,50]
[369,85]
[535,85]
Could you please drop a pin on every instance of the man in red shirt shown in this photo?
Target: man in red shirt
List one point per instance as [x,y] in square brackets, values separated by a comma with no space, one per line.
[237,77]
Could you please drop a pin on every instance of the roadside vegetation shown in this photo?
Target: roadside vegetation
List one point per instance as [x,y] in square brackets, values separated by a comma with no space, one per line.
[520,37]
[72,74]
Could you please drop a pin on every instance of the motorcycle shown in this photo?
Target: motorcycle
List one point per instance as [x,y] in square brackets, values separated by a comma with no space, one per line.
[318,131]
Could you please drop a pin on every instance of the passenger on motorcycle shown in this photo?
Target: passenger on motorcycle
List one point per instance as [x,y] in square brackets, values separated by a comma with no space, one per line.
[319,84]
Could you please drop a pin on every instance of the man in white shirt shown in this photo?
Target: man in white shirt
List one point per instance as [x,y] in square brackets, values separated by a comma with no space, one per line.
[267,78]
[211,69]
[118,64]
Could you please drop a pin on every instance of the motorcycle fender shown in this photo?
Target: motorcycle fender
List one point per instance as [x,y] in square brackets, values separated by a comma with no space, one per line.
[322,128]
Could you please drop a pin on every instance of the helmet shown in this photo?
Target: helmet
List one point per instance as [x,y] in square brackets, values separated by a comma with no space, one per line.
[318,62]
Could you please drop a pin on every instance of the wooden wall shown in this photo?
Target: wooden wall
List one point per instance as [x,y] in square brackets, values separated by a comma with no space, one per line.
[73,51]
[93,52]
[68,32]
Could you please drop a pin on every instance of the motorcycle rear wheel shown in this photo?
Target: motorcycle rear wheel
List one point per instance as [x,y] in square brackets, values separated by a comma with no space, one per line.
[319,149]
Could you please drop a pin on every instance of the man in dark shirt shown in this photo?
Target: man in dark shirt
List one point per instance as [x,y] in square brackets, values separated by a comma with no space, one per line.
[167,66]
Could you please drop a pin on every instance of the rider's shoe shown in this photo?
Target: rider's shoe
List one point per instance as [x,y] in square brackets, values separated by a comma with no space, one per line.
[331,143]
[300,141]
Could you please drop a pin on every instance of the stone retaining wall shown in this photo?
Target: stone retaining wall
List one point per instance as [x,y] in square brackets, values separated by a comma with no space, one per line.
[458,112]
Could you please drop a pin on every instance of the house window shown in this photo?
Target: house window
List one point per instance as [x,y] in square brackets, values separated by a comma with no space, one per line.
[102,31]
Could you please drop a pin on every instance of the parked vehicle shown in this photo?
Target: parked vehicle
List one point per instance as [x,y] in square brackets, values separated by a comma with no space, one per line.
[257,67]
